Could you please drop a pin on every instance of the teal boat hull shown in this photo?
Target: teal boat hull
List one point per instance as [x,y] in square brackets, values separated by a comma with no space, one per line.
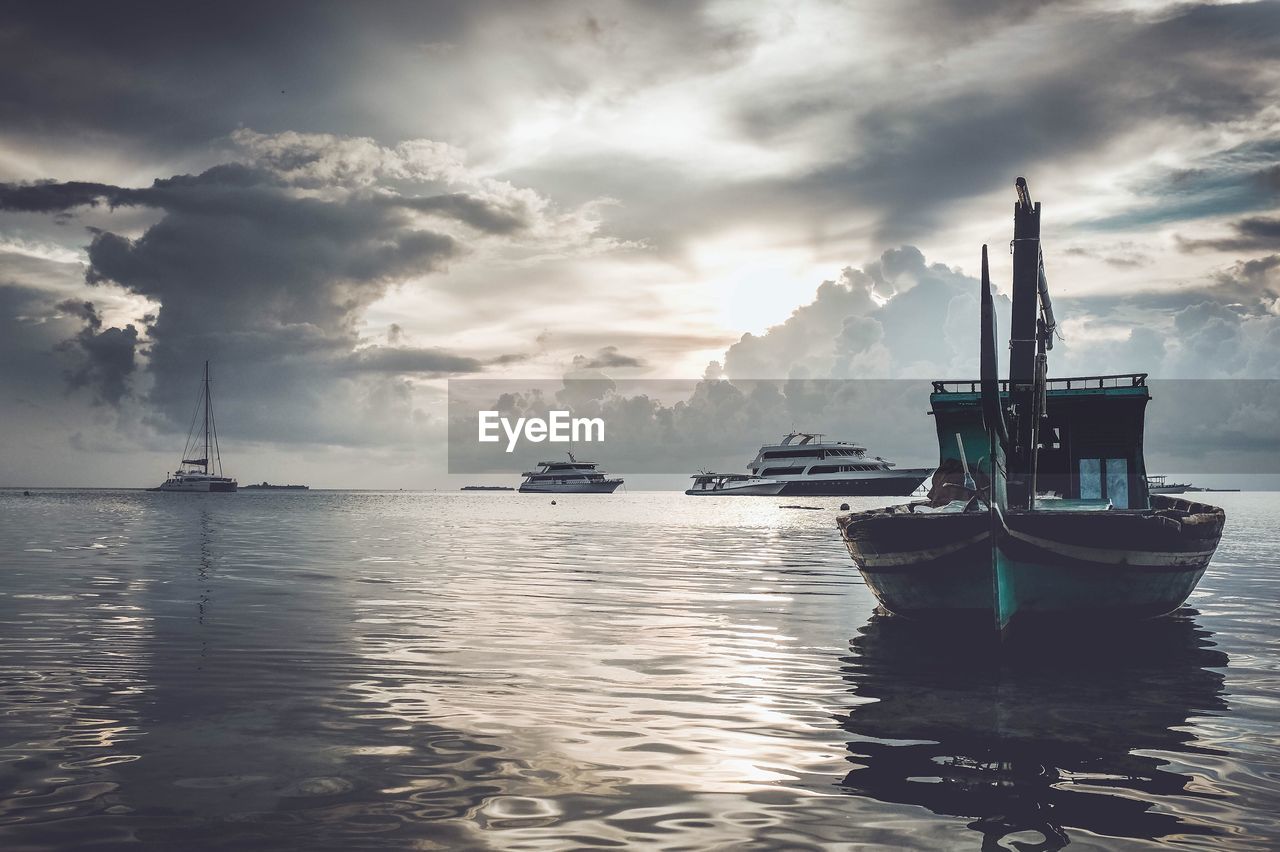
[1120,563]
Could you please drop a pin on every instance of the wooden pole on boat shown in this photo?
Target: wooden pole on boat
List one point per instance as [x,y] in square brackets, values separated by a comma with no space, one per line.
[969,482]
[989,365]
[993,417]
[993,405]
[1024,336]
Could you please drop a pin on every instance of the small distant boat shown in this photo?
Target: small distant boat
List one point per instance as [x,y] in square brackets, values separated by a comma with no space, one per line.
[1158,484]
[571,477]
[985,544]
[707,483]
[209,478]
[267,486]
[807,464]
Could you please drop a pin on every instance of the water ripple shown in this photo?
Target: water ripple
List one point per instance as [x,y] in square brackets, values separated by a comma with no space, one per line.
[354,670]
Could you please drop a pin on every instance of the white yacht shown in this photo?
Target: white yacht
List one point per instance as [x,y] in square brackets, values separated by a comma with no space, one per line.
[1157,483]
[717,484]
[807,464]
[199,474]
[571,477]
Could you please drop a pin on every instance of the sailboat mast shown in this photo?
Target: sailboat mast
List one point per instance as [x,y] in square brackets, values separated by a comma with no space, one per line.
[206,417]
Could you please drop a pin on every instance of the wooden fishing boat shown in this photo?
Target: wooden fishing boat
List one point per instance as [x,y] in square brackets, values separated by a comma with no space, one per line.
[985,545]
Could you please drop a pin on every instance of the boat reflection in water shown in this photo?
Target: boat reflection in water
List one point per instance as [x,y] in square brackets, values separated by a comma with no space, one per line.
[1034,739]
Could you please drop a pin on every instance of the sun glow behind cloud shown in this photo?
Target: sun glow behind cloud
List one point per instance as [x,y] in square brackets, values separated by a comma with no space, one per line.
[751,284]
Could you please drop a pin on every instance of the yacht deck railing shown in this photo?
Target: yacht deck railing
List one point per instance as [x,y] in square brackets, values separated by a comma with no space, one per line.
[1117,380]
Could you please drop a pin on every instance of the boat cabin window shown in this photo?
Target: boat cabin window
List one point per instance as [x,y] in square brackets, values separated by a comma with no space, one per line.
[782,471]
[1105,479]
[840,468]
[789,454]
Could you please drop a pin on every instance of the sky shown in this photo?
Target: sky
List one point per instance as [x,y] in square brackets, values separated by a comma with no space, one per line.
[344,206]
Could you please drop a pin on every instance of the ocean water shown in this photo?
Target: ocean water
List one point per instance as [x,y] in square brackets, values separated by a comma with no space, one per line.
[333,670]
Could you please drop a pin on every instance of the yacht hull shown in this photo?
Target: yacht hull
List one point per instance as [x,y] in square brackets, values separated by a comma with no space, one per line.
[757,490]
[199,488]
[1128,564]
[900,483]
[606,487]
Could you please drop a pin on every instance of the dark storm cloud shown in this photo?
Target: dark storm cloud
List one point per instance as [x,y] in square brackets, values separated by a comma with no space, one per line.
[423,361]
[1233,181]
[1250,287]
[268,280]
[31,326]
[203,190]
[1124,258]
[1247,286]
[225,186]
[397,359]
[159,78]
[475,212]
[165,75]
[52,197]
[41,338]
[104,358]
[940,125]
[1199,66]
[605,358]
[1257,271]
[1254,232]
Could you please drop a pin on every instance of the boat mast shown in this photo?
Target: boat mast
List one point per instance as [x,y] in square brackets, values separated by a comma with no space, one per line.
[1029,337]
[206,418]
[993,413]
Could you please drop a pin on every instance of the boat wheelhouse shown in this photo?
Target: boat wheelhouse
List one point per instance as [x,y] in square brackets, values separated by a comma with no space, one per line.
[1090,441]
[805,463]
[707,483]
[571,477]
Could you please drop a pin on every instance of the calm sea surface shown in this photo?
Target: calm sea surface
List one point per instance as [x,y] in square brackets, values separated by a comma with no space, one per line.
[365,670]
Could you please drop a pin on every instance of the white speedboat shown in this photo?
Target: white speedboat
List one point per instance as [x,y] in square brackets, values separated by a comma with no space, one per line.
[571,477]
[724,484]
[806,464]
[202,474]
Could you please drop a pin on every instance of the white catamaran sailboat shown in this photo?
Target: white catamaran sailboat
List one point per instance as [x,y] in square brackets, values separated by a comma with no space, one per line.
[208,478]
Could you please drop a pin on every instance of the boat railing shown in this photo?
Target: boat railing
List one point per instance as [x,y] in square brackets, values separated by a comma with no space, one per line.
[1117,380]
